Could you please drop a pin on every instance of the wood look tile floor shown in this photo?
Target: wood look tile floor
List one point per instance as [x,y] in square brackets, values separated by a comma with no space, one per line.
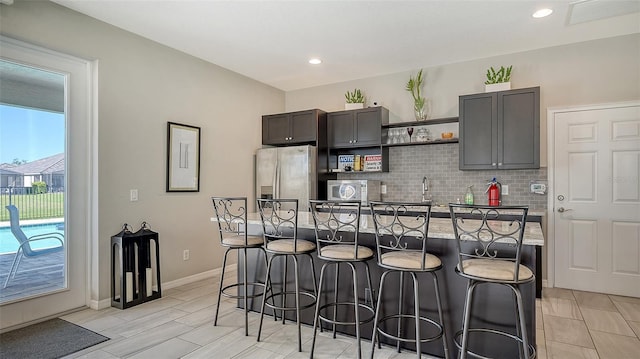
[570,324]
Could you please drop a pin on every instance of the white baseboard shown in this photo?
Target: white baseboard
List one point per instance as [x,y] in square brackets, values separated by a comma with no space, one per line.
[195,277]
[106,303]
[100,304]
[545,283]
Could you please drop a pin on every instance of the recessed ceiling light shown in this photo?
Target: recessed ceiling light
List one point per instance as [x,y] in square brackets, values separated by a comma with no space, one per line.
[315,61]
[542,13]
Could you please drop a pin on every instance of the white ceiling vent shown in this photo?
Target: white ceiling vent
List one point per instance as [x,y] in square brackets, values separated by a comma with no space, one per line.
[589,10]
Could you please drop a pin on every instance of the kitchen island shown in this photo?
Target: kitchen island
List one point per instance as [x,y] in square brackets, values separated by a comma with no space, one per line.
[497,301]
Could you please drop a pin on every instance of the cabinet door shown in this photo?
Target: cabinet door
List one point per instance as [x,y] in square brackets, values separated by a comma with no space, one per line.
[275,129]
[519,129]
[478,132]
[368,127]
[341,129]
[303,126]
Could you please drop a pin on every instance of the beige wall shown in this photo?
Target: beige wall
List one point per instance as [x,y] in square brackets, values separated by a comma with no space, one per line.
[142,85]
[596,71]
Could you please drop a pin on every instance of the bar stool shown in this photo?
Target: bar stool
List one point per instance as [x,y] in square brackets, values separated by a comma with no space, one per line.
[401,241]
[231,213]
[489,240]
[337,224]
[280,231]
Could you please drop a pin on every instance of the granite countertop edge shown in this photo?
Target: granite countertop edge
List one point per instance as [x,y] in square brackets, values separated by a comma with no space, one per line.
[438,227]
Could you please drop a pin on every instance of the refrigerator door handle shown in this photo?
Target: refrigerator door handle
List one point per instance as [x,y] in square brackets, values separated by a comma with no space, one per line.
[276,180]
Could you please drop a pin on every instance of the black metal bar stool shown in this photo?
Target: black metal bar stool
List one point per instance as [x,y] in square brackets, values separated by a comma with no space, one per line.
[401,240]
[489,240]
[337,224]
[231,213]
[280,230]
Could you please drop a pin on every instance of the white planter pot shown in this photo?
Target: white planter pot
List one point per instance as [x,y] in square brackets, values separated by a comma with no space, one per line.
[353,106]
[502,86]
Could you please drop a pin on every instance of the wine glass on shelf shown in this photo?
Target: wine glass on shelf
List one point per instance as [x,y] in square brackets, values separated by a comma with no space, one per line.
[410,132]
[394,134]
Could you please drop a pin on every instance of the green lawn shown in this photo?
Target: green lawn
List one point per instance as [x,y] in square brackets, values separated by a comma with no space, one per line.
[34,206]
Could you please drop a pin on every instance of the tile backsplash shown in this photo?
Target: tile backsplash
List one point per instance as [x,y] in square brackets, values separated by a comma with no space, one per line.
[439,163]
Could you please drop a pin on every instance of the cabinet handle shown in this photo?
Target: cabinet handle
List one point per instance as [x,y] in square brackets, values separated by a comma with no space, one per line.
[350,141]
[499,164]
[354,141]
[493,164]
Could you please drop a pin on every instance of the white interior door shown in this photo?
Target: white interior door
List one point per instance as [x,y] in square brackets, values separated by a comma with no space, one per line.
[78,170]
[596,199]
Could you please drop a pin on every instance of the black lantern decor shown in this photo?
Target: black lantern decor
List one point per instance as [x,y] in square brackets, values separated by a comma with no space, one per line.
[136,268]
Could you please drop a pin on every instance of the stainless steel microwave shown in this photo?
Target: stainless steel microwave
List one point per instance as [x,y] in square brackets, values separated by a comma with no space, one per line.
[361,190]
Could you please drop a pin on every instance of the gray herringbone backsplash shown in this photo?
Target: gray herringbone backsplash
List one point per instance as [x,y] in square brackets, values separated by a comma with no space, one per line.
[409,164]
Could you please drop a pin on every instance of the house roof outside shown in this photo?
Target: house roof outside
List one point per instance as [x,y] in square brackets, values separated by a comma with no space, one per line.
[48,165]
[6,169]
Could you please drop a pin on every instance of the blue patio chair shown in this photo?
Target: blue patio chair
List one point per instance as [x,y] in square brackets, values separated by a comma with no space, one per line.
[25,249]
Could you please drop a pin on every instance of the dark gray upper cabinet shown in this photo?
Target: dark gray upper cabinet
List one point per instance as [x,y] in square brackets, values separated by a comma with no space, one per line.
[356,128]
[290,128]
[500,130]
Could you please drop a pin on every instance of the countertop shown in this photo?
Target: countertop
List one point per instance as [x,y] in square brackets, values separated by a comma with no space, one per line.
[438,227]
[445,209]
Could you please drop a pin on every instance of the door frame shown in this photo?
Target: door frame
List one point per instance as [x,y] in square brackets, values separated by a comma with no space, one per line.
[551,112]
[85,172]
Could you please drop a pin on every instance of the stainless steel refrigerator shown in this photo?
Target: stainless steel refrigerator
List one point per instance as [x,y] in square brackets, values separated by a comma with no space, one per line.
[287,172]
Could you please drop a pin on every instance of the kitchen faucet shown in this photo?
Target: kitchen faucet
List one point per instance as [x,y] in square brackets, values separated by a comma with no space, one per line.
[425,189]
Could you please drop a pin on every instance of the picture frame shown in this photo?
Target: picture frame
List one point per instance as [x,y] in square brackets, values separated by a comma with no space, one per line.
[183,158]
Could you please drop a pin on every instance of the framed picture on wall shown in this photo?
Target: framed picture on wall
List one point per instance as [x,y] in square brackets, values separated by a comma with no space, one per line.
[183,158]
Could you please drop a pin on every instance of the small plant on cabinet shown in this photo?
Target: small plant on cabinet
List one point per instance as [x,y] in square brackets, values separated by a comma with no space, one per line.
[354,99]
[495,77]
[498,80]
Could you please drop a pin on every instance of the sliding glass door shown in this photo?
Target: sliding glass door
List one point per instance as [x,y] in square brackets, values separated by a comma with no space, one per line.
[45,161]
[32,191]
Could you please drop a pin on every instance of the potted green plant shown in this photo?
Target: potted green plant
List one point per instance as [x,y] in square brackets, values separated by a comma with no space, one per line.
[355,100]
[498,80]
[420,104]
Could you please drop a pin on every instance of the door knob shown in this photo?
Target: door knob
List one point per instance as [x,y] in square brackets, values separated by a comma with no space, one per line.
[562,210]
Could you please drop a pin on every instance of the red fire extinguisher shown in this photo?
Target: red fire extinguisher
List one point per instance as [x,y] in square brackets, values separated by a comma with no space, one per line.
[493,192]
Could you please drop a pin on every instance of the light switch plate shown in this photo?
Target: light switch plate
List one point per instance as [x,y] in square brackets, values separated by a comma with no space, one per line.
[505,189]
[133,195]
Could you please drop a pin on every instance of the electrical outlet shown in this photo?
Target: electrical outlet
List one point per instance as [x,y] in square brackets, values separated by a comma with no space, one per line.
[185,255]
[505,189]
[383,189]
[133,195]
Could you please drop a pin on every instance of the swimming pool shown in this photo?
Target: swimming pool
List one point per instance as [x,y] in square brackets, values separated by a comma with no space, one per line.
[9,244]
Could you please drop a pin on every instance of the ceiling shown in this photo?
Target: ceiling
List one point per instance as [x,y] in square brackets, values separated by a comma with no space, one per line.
[271,41]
